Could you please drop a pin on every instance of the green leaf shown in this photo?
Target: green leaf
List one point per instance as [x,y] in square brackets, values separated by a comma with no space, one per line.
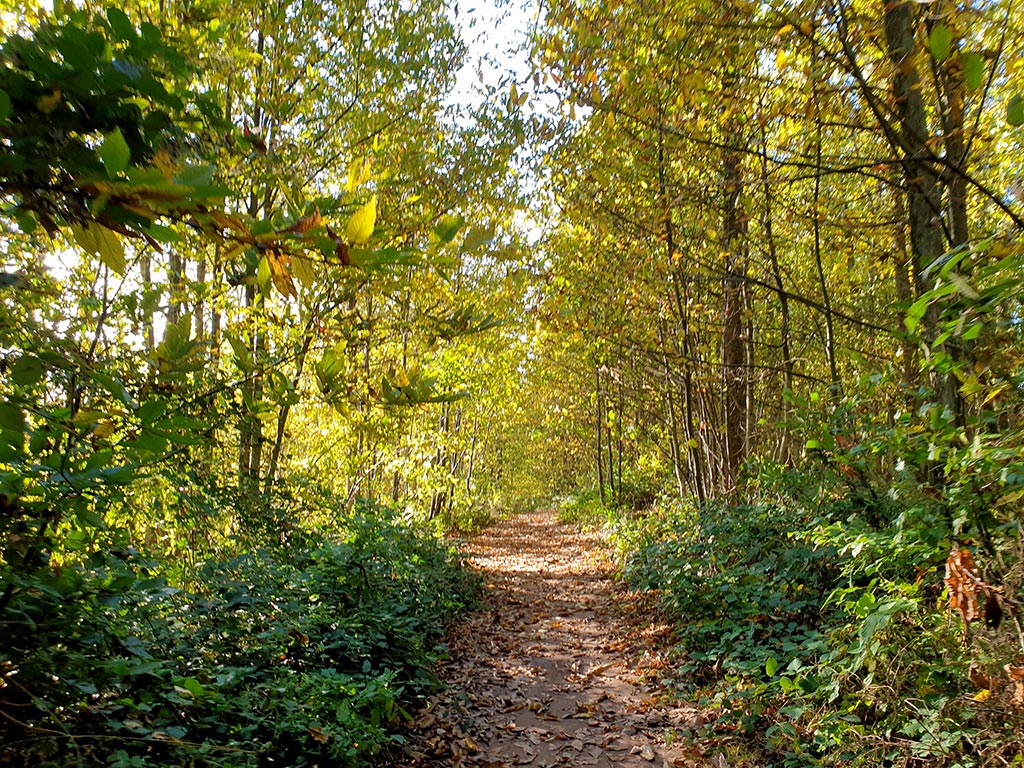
[974,70]
[146,667]
[151,411]
[973,332]
[121,24]
[11,417]
[771,666]
[27,370]
[6,108]
[263,275]
[916,312]
[1015,111]
[302,270]
[114,153]
[111,250]
[940,42]
[163,234]
[447,228]
[476,237]
[195,176]
[102,242]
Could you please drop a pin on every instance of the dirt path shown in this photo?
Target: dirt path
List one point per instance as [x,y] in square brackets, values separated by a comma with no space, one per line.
[555,671]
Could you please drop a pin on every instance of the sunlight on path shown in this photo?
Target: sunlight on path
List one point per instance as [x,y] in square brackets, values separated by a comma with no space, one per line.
[555,671]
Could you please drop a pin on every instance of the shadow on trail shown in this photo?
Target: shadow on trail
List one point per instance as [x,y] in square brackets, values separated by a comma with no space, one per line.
[554,671]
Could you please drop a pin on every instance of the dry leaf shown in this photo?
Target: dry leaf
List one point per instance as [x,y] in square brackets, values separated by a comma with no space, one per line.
[1016,675]
[962,582]
[279,263]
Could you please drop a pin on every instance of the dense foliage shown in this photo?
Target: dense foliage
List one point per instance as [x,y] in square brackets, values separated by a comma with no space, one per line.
[302,653]
[205,373]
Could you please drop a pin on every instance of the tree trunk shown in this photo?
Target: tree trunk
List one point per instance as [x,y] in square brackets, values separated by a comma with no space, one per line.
[597,415]
[924,194]
[733,352]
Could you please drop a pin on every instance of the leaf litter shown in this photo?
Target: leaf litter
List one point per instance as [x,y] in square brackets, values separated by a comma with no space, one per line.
[560,668]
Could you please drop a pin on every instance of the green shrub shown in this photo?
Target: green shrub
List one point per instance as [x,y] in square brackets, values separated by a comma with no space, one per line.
[304,654]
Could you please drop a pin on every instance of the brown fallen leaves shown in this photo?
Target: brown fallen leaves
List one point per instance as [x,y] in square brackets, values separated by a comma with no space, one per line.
[557,670]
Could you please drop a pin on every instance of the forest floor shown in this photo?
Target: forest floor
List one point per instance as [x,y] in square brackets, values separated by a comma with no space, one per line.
[559,668]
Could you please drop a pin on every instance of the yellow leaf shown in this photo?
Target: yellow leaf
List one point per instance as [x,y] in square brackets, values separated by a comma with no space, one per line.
[982,695]
[360,226]
[87,416]
[162,162]
[359,171]
[102,242]
[280,275]
[104,429]
[227,221]
[302,270]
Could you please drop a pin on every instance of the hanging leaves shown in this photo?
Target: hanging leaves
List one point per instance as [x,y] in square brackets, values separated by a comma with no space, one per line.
[279,274]
[940,42]
[114,153]
[974,70]
[100,241]
[360,226]
[302,270]
[359,171]
[306,223]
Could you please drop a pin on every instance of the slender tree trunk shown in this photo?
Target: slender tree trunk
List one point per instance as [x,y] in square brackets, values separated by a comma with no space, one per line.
[282,416]
[598,419]
[733,351]
[695,462]
[147,287]
[786,450]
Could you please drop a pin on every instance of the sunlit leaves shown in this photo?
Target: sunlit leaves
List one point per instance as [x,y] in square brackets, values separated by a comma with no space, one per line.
[303,272]
[279,274]
[974,70]
[359,172]
[100,241]
[114,152]
[1015,110]
[940,42]
[360,225]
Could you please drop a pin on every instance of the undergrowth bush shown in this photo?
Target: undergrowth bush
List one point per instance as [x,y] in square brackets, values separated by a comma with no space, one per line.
[819,630]
[294,656]
[585,508]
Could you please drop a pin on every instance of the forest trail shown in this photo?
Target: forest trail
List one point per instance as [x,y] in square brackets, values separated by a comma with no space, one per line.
[559,668]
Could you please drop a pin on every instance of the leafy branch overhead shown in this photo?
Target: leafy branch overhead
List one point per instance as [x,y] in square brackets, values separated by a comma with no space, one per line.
[104,140]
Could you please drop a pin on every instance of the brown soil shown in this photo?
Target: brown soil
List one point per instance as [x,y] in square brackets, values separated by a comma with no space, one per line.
[559,669]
